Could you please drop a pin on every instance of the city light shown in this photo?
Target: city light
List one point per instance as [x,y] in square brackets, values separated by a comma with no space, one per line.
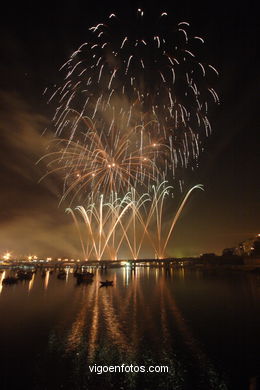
[7,256]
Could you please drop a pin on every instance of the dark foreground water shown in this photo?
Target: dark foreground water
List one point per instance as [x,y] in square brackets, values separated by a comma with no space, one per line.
[204,326]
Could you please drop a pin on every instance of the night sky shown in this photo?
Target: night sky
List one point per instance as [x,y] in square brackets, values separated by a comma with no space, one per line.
[36,40]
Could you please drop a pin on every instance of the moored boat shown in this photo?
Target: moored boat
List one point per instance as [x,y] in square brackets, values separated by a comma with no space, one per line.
[107,283]
[10,280]
[61,275]
[24,275]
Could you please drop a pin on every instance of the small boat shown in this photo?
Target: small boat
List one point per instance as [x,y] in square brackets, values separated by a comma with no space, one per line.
[23,275]
[61,275]
[107,283]
[10,280]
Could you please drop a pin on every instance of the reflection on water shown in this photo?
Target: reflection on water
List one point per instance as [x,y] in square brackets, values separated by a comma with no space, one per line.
[204,326]
[30,284]
[2,276]
[47,278]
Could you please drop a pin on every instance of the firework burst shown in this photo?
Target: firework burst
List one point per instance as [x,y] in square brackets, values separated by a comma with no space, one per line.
[132,113]
[133,107]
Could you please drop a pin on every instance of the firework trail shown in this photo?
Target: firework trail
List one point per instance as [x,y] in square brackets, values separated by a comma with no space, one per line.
[131,116]
[109,225]
[133,108]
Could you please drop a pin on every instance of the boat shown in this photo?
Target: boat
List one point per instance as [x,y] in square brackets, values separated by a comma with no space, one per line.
[23,275]
[61,275]
[107,283]
[10,280]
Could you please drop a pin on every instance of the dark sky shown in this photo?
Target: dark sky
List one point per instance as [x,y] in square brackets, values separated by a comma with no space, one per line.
[36,39]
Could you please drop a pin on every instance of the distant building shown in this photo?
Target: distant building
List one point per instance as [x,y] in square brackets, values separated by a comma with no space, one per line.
[250,247]
[228,258]
[229,252]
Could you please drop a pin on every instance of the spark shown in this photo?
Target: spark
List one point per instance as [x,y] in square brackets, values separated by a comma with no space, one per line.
[132,112]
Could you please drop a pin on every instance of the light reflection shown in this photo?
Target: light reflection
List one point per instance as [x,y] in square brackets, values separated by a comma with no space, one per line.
[163,316]
[114,325]
[1,281]
[126,273]
[94,326]
[31,282]
[75,336]
[181,273]
[67,270]
[46,281]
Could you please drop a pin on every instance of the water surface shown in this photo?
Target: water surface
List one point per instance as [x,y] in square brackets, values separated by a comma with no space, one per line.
[203,325]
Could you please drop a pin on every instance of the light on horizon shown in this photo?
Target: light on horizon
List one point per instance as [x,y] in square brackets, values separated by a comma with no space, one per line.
[7,256]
